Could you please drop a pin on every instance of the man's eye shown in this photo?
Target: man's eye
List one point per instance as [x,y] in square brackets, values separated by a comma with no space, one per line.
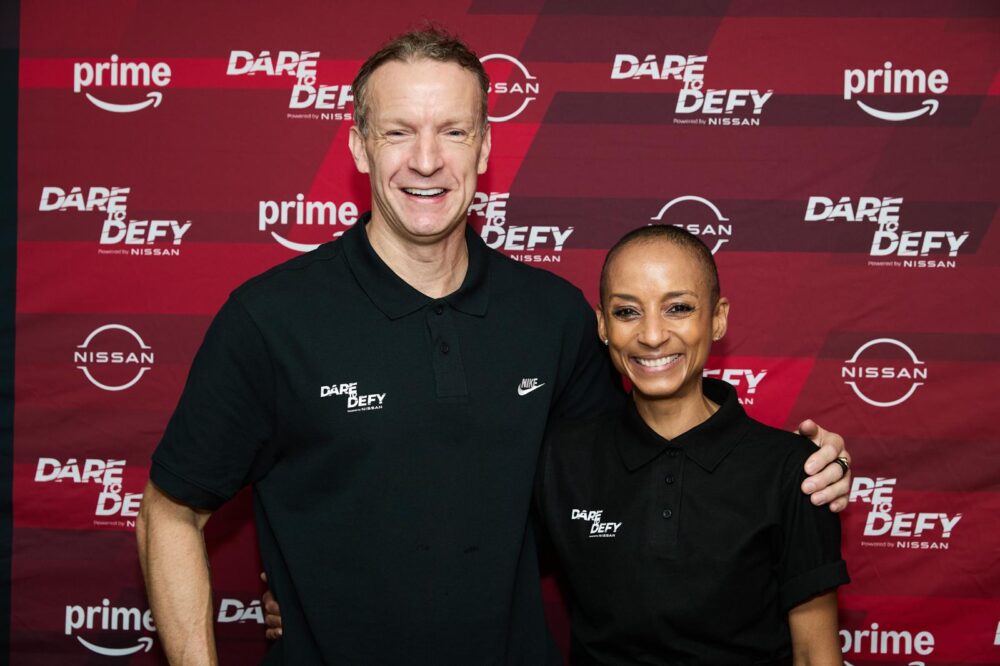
[458,134]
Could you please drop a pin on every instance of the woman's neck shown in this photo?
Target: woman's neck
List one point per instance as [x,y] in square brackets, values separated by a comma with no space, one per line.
[674,416]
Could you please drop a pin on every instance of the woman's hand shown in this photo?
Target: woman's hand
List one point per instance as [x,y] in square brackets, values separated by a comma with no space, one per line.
[272,613]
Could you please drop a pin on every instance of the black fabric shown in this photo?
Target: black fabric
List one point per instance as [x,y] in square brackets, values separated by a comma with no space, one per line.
[9,44]
[701,544]
[393,522]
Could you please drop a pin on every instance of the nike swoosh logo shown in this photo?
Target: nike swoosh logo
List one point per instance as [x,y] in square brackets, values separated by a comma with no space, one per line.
[526,391]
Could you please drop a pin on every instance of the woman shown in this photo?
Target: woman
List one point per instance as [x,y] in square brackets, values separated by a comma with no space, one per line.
[679,521]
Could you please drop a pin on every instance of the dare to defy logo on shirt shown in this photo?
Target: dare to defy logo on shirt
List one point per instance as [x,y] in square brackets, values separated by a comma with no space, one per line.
[598,528]
[356,402]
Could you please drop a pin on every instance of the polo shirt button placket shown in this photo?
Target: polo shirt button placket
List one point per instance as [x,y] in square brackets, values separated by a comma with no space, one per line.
[445,350]
[671,472]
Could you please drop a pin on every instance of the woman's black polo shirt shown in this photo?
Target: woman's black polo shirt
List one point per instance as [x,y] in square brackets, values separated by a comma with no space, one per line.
[391,440]
[687,551]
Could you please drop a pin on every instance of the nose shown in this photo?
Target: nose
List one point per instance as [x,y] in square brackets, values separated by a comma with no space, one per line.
[426,157]
[653,332]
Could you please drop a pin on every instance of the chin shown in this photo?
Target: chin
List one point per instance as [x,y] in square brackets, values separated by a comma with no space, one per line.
[433,228]
[665,390]
[655,393]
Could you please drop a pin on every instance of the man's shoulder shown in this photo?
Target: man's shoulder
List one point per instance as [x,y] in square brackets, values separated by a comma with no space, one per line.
[577,437]
[516,277]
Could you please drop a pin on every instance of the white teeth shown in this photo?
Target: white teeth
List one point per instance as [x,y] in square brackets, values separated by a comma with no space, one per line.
[657,362]
[433,192]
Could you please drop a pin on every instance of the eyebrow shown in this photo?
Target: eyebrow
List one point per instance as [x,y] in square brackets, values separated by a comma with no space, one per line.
[444,123]
[669,294]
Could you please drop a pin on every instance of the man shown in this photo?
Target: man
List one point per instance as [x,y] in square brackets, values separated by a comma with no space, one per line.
[386,395]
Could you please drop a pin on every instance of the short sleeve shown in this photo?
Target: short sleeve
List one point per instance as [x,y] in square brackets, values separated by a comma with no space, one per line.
[224,416]
[591,383]
[810,561]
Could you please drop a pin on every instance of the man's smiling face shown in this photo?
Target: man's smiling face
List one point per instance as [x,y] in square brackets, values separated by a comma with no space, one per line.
[424,148]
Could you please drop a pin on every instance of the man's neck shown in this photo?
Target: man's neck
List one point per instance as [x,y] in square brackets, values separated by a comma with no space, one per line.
[434,269]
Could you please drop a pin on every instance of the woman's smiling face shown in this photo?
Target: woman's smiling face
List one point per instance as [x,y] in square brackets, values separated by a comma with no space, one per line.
[659,318]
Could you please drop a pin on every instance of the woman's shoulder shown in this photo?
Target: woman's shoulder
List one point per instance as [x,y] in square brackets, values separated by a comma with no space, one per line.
[777,445]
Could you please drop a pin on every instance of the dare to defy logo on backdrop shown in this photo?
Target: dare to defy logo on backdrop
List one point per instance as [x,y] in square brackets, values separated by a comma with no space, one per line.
[309,99]
[114,507]
[888,527]
[534,243]
[893,245]
[120,235]
[696,103]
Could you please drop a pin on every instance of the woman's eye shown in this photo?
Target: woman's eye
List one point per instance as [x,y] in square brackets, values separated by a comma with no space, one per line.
[680,308]
[625,313]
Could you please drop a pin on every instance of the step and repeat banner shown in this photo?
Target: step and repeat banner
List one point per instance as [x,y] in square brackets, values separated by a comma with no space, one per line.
[841,159]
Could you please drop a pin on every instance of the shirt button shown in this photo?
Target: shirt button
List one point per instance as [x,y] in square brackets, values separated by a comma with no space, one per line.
[673,453]
[667,513]
[439,309]
[445,348]
[668,480]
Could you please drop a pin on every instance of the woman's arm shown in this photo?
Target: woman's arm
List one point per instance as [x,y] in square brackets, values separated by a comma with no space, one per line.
[813,624]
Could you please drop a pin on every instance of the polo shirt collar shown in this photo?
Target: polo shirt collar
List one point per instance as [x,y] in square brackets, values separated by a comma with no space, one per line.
[707,444]
[393,296]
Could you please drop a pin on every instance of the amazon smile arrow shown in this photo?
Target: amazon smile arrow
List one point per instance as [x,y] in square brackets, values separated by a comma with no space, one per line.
[154,100]
[145,644]
[928,106]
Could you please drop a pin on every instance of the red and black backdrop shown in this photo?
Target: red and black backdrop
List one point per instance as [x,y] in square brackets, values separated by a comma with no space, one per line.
[840,157]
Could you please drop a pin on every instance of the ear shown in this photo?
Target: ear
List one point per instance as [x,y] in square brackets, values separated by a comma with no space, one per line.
[602,326]
[720,319]
[484,150]
[356,143]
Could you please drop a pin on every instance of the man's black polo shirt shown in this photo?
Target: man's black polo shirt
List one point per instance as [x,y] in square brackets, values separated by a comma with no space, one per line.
[687,551]
[391,440]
